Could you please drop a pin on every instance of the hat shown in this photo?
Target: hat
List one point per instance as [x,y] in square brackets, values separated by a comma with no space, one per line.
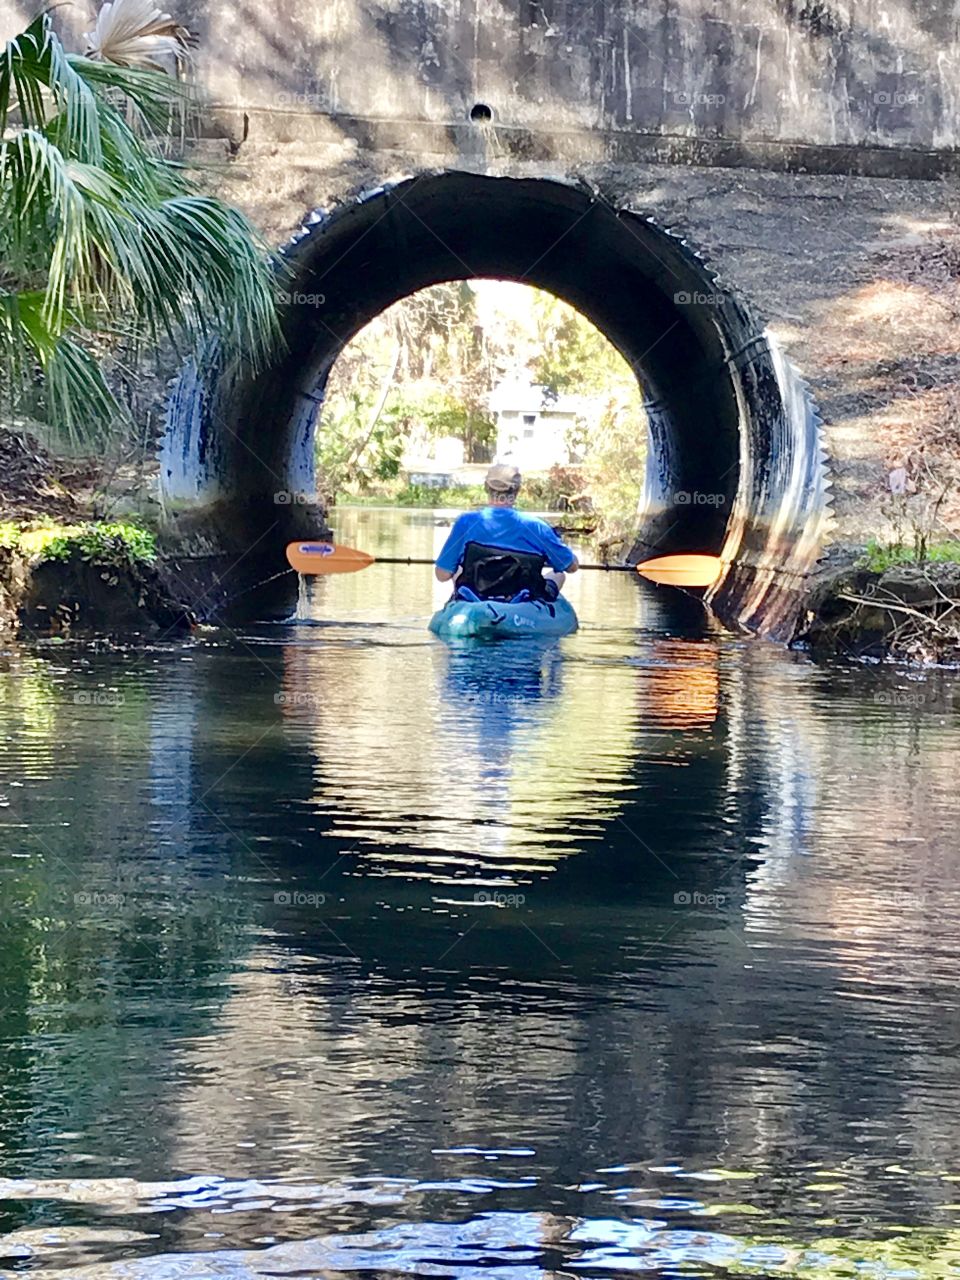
[503,477]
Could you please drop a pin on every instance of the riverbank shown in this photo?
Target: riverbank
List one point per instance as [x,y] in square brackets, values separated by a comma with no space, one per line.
[78,580]
[65,574]
[906,613]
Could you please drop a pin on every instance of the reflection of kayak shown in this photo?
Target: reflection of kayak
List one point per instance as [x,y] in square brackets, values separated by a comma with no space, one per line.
[493,619]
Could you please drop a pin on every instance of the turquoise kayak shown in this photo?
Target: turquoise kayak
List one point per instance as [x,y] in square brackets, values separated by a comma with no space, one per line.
[495,619]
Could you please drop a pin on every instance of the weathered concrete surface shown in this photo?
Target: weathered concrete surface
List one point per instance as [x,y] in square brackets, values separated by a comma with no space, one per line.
[828,72]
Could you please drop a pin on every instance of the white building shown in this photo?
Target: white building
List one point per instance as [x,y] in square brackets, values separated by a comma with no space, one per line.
[535,429]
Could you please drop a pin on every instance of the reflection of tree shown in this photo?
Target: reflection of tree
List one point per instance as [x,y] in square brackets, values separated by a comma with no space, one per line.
[106,924]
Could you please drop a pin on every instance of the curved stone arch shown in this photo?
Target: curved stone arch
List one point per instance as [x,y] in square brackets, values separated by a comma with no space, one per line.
[735,466]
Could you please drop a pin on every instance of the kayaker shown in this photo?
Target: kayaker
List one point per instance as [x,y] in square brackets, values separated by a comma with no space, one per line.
[499,553]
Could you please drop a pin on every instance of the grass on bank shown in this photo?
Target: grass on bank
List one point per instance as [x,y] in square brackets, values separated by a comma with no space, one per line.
[117,543]
[879,557]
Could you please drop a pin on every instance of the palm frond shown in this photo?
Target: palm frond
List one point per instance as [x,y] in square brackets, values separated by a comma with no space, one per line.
[42,196]
[154,96]
[72,393]
[78,401]
[99,239]
[135,33]
[38,81]
[189,264]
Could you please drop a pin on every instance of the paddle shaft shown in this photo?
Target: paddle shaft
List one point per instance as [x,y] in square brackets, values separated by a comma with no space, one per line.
[688,570]
[607,568]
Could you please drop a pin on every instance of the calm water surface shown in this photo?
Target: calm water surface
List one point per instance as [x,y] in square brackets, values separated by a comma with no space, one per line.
[327,948]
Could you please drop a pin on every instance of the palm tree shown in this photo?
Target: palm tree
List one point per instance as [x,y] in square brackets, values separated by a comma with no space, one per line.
[103,237]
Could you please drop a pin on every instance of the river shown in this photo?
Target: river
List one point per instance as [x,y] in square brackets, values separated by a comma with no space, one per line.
[328,948]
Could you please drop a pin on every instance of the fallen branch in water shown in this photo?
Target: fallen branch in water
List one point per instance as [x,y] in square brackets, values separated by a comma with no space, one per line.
[905,613]
[897,606]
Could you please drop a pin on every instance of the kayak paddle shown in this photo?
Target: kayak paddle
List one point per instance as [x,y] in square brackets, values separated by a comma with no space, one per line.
[674,571]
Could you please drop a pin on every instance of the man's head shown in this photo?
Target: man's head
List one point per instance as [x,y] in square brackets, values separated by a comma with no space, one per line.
[502,483]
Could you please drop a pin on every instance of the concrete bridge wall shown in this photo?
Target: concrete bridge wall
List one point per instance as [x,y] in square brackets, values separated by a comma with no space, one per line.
[850,73]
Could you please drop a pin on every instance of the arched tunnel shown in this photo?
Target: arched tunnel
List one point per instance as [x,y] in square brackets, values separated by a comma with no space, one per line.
[735,465]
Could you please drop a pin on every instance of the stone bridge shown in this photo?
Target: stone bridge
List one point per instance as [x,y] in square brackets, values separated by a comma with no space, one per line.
[730,193]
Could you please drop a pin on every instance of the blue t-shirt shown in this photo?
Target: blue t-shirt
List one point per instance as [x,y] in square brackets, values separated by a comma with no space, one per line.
[506,528]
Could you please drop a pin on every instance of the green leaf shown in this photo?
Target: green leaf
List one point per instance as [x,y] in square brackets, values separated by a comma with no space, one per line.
[100,232]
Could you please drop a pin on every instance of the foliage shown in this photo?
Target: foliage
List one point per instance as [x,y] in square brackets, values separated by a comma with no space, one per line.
[922,491]
[575,356]
[109,543]
[354,449]
[103,237]
[415,374]
[536,495]
[880,557]
[562,489]
[456,495]
[425,369]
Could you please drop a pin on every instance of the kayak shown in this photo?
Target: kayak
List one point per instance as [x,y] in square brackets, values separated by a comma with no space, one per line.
[496,619]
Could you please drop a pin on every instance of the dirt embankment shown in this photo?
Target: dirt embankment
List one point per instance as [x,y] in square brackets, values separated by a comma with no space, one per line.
[34,484]
[906,614]
[62,573]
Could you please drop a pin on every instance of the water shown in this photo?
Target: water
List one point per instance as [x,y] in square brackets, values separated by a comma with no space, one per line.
[329,949]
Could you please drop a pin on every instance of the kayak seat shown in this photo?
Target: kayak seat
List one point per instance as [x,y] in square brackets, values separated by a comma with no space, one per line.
[497,573]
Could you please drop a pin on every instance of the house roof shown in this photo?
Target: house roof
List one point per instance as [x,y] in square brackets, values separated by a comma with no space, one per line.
[531,397]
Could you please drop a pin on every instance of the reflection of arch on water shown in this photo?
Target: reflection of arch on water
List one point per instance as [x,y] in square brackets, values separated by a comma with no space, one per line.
[640,1006]
[494,763]
[636,1018]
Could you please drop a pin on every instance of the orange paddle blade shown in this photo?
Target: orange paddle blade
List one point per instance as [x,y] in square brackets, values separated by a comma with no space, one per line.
[682,571]
[326,557]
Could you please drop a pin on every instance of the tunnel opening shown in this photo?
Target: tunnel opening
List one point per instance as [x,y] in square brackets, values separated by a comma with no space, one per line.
[734,467]
[458,376]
